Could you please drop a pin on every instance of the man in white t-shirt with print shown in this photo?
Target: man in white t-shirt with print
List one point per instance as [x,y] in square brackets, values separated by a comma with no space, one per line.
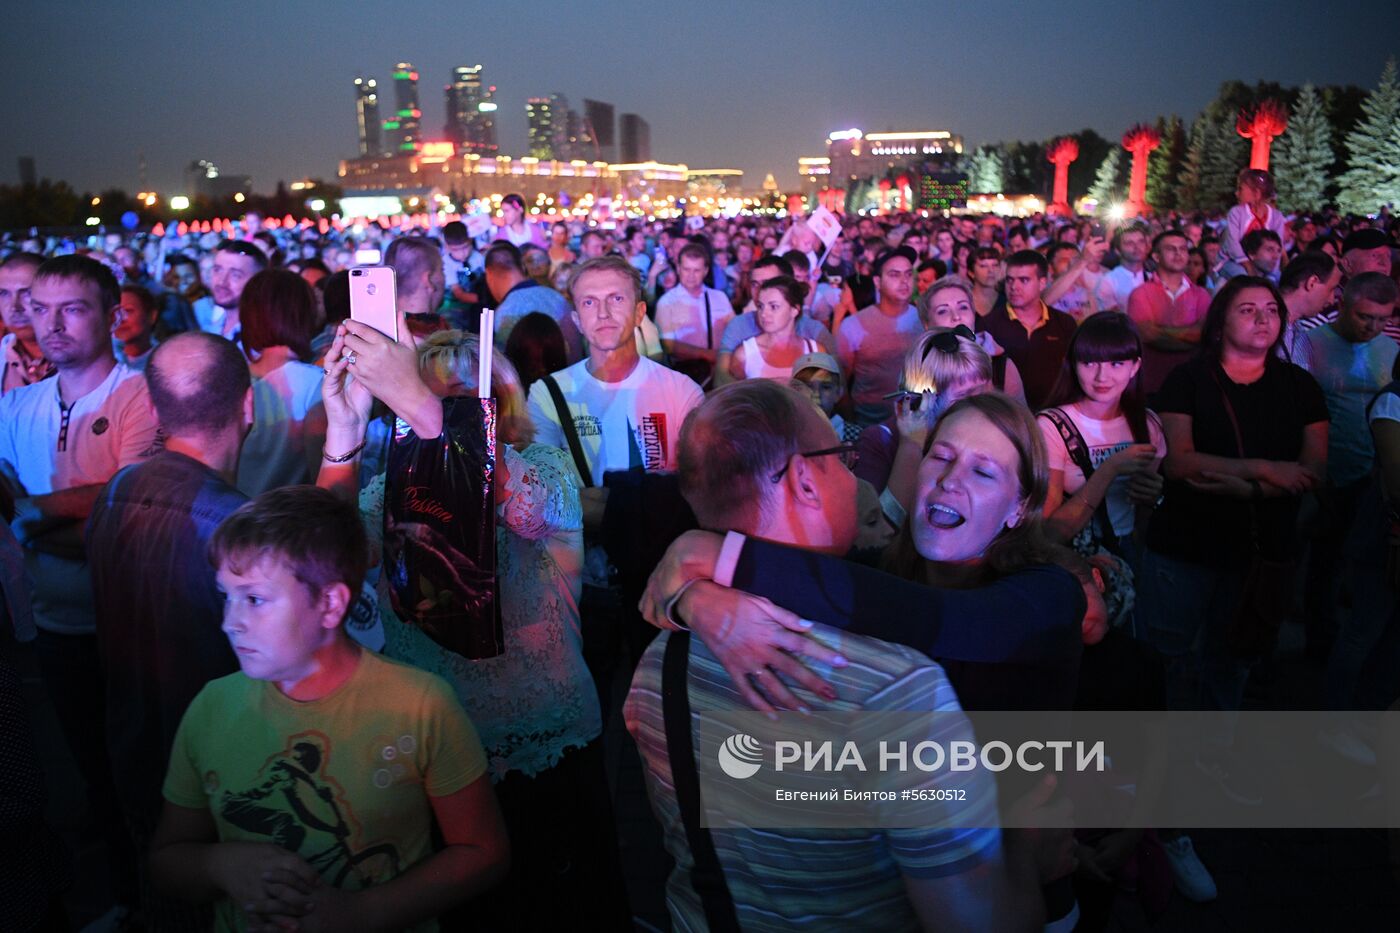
[626,411]
[61,440]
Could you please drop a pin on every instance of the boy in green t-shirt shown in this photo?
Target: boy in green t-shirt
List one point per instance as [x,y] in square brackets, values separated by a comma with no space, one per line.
[301,792]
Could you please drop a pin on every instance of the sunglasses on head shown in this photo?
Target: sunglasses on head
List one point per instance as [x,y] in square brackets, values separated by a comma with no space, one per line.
[947,341]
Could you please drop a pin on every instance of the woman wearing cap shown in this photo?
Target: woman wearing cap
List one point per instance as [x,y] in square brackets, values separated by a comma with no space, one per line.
[771,353]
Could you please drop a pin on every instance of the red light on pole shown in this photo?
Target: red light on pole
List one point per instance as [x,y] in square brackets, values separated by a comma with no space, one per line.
[1140,140]
[1062,152]
[1260,125]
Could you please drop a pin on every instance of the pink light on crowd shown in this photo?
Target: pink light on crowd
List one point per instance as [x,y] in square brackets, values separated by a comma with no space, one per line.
[1260,125]
[1062,152]
[1139,140]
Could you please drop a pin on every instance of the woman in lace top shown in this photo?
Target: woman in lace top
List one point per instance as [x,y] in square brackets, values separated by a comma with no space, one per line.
[536,699]
[535,705]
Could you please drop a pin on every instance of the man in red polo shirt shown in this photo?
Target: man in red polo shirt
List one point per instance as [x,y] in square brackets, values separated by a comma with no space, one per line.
[1034,335]
[1168,310]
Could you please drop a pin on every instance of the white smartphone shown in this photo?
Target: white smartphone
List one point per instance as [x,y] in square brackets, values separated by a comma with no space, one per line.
[372,299]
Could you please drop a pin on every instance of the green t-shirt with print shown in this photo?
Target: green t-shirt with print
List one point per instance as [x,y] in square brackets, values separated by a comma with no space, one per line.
[342,781]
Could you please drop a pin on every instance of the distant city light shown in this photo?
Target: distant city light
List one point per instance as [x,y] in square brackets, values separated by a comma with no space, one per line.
[316,204]
[238,197]
[93,221]
[179,202]
[485,107]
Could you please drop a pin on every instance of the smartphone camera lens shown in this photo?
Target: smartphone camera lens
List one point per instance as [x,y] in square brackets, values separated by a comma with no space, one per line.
[357,272]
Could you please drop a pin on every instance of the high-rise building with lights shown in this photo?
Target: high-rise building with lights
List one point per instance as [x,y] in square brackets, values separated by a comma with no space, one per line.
[635,139]
[599,118]
[547,126]
[471,111]
[403,130]
[367,116]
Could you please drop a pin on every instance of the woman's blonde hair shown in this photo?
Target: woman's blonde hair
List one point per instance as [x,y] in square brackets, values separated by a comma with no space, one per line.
[936,362]
[948,281]
[451,357]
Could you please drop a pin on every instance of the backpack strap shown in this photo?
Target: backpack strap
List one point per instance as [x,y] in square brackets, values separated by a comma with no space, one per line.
[566,422]
[707,875]
[1079,452]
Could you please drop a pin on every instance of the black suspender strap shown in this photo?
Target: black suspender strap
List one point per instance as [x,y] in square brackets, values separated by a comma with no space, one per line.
[707,876]
[566,422]
[709,328]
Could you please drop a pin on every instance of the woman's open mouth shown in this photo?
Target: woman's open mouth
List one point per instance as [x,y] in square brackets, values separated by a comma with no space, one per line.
[941,516]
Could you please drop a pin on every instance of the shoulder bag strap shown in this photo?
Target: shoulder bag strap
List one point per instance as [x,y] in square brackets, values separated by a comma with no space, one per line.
[999,372]
[1239,445]
[707,875]
[709,328]
[1079,452]
[566,422]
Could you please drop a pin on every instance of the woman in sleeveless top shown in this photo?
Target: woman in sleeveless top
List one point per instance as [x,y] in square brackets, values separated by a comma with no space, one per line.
[771,353]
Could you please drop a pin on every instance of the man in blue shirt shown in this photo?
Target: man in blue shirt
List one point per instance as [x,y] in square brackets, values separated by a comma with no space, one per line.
[516,295]
[1352,359]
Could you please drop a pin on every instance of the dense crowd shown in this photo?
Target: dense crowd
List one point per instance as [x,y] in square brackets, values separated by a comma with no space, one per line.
[938,463]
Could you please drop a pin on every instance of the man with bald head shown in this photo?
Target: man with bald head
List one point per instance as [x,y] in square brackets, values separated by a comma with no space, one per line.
[158,610]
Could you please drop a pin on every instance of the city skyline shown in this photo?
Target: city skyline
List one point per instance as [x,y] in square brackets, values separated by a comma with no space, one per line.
[270,95]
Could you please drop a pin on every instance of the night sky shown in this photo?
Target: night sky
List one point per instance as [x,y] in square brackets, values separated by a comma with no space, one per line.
[263,91]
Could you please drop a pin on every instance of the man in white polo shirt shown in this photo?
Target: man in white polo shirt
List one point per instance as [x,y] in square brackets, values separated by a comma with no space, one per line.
[691,317]
[61,440]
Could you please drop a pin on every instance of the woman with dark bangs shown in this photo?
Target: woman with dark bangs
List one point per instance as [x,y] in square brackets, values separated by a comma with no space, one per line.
[1246,437]
[1105,445]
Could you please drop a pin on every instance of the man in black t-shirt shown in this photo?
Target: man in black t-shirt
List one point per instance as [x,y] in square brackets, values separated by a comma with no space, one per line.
[1034,336]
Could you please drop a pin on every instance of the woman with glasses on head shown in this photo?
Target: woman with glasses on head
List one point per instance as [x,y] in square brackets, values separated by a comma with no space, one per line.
[948,303]
[944,365]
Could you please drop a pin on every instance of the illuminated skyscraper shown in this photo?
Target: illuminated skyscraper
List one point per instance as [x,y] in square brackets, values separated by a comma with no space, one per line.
[367,116]
[471,111]
[403,130]
[636,139]
[598,118]
[547,120]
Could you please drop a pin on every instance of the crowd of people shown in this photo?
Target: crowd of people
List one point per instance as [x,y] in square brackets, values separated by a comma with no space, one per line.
[940,463]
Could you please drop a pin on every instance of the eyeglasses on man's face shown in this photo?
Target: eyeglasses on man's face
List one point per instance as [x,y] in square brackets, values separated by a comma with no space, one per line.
[847,452]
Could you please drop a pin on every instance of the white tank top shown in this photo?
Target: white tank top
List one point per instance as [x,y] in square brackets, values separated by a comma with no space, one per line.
[756,367]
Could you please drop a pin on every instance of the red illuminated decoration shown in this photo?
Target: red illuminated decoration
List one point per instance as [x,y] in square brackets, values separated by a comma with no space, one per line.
[1140,140]
[901,186]
[885,185]
[1260,125]
[182,229]
[1062,152]
[158,230]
